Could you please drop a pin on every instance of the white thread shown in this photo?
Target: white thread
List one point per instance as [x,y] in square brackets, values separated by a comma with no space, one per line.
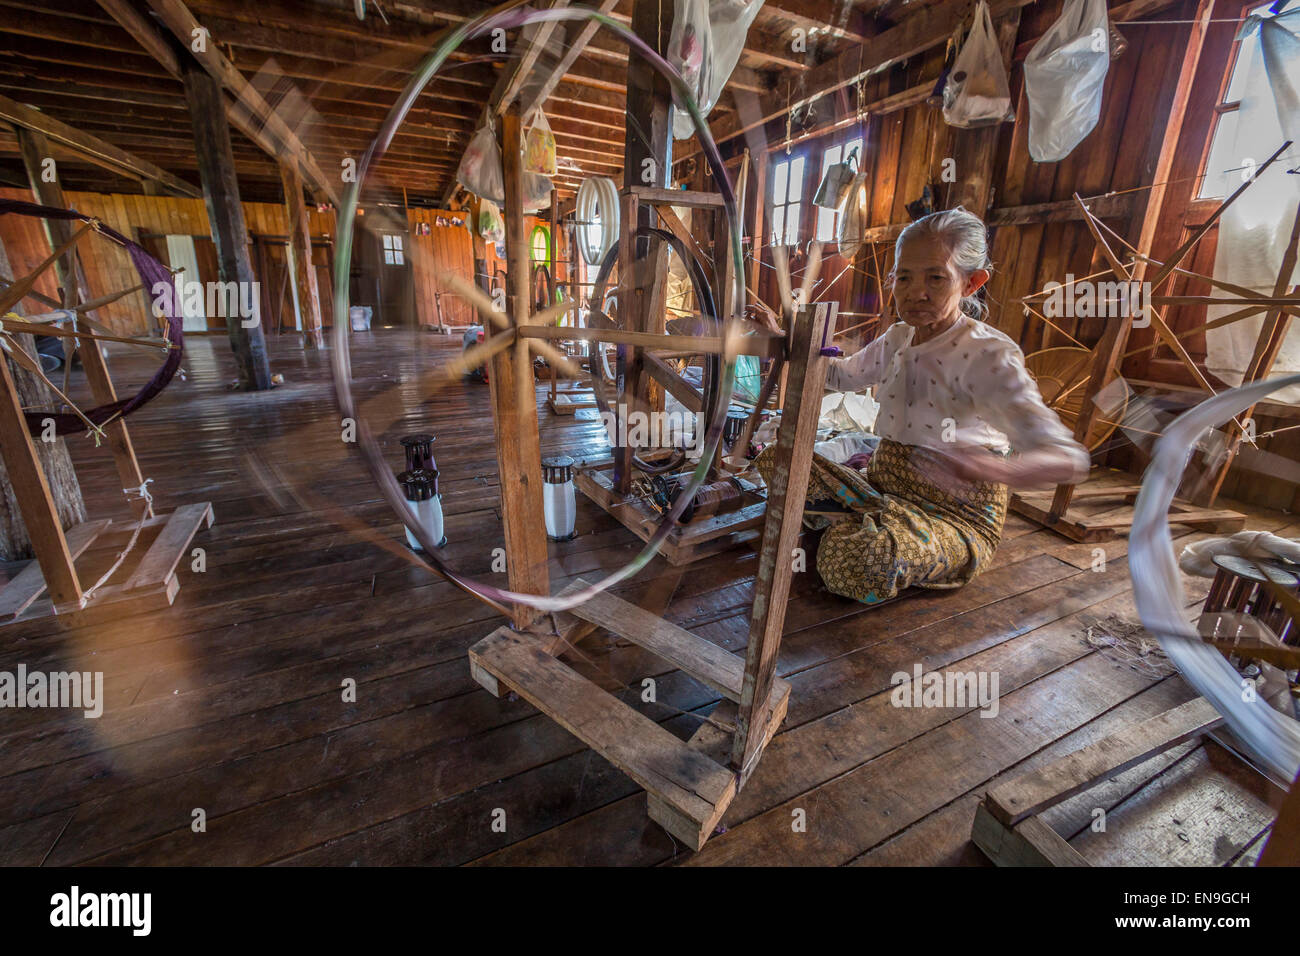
[145,515]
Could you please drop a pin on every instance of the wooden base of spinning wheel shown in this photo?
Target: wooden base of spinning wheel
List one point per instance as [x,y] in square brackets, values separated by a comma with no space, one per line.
[685,543]
[688,784]
[148,578]
[1106,525]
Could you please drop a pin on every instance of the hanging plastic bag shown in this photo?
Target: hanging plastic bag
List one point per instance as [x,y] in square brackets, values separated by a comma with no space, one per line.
[848,234]
[705,45]
[490,224]
[539,146]
[537,192]
[977,93]
[480,168]
[1064,76]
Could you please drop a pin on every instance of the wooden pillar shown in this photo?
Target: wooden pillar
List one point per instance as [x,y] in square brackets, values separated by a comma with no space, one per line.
[304,270]
[15,539]
[225,215]
[647,161]
[514,400]
[72,279]
[784,519]
[758,230]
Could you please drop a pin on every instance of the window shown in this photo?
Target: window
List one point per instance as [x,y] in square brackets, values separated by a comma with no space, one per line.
[1229,152]
[787,205]
[541,244]
[829,219]
[393,250]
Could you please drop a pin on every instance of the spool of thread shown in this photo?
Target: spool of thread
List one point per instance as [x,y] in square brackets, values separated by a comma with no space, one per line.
[734,426]
[419,487]
[419,455]
[718,497]
[558,498]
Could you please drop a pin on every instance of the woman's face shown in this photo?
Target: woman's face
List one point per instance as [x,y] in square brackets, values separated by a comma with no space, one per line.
[928,286]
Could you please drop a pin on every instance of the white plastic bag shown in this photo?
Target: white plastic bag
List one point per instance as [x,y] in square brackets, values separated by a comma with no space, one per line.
[705,45]
[537,192]
[1064,75]
[539,146]
[490,224]
[480,167]
[977,93]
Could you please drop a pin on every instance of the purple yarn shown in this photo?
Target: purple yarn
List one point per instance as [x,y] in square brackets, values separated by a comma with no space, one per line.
[151,272]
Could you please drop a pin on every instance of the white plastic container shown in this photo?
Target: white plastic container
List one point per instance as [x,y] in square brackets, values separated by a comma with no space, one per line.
[558,498]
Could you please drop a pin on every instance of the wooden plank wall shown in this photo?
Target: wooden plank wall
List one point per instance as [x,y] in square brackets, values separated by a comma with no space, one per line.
[905,150]
[447,248]
[108,268]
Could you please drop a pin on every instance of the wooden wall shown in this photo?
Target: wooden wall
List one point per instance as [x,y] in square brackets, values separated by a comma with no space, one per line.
[447,248]
[906,148]
[108,268]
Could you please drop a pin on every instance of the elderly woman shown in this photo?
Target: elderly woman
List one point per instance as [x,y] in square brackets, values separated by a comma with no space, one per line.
[960,420]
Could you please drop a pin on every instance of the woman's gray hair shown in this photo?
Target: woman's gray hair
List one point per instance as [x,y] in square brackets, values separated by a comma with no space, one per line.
[967,240]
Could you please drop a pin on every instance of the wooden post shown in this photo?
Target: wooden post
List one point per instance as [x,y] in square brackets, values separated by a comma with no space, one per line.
[757,230]
[226,216]
[39,511]
[647,161]
[15,540]
[514,400]
[300,244]
[72,279]
[784,519]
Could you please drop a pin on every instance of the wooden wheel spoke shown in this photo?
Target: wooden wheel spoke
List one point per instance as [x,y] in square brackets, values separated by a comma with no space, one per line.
[16,352]
[470,359]
[21,287]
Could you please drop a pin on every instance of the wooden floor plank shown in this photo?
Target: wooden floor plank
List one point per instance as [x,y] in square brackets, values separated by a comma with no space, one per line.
[230,699]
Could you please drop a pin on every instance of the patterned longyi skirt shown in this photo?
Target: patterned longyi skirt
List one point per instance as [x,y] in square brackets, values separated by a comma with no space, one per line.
[896,528]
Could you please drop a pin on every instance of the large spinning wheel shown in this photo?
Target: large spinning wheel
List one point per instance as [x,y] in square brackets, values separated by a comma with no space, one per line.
[608,360]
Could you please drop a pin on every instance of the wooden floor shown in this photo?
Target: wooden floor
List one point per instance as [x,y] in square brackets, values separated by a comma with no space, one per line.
[231,702]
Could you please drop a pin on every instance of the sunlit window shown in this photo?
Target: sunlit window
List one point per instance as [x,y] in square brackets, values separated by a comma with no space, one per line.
[393,254]
[828,219]
[1229,155]
[787,200]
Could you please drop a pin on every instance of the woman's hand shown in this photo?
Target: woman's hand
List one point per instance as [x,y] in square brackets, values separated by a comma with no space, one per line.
[1038,468]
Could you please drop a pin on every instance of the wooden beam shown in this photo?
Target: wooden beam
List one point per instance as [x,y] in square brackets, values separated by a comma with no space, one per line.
[538,95]
[304,268]
[514,400]
[267,129]
[93,148]
[226,218]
